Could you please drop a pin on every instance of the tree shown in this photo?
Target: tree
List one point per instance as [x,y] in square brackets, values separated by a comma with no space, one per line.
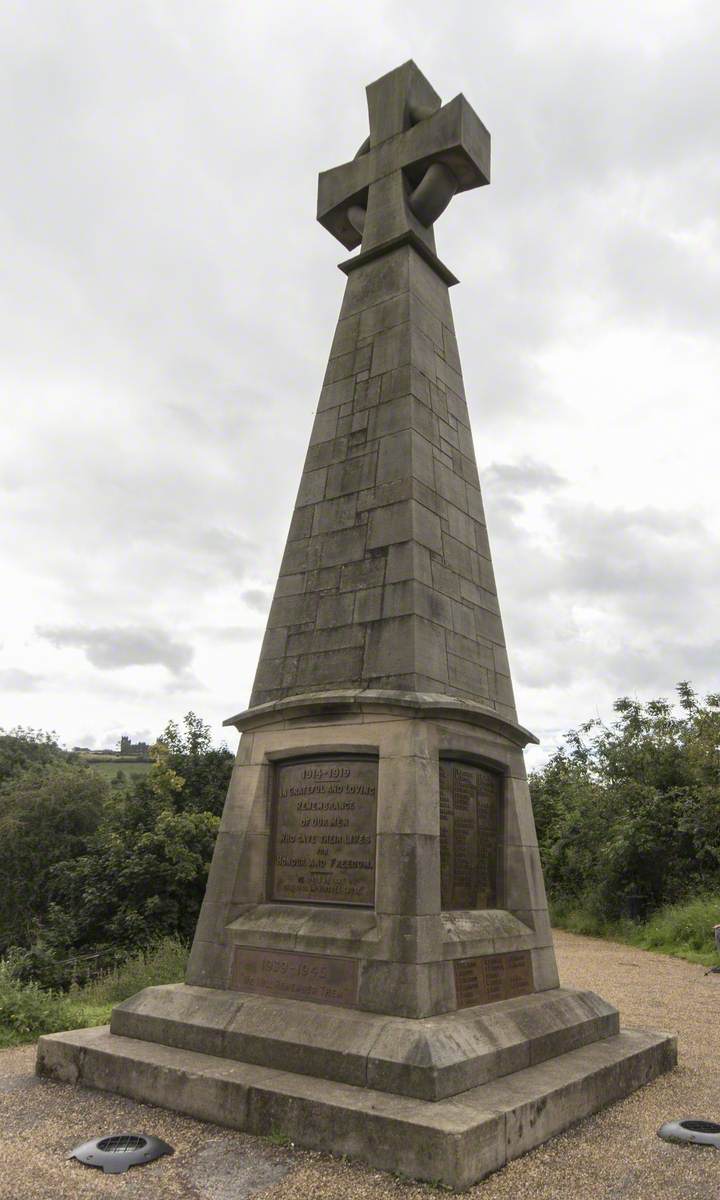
[144,872]
[22,747]
[49,813]
[628,814]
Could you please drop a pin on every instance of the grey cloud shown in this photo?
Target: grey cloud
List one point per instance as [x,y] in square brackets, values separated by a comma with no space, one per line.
[656,275]
[170,302]
[232,633]
[527,475]
[14,679]
[109,649]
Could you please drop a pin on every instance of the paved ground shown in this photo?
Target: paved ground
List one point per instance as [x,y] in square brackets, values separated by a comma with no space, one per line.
[613,1156]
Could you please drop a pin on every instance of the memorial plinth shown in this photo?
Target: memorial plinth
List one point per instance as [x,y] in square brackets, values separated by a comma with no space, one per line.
[373,970]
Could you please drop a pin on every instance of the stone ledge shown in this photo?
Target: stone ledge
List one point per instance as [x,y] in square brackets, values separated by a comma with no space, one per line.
[408,238]
[430,1058]
[456,1142]
[353,701]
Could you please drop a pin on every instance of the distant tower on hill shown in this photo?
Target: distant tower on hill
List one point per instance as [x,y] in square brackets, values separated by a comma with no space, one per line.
[135,748]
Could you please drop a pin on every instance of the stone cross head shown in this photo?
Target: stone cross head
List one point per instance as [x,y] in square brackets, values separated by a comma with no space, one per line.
[418,155]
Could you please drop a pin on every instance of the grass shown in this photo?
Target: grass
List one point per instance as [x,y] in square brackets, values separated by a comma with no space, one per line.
[27,1011]
[683,930]
[110,767]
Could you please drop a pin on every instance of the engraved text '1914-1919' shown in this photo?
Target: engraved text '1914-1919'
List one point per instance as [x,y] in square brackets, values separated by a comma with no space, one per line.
[323,848]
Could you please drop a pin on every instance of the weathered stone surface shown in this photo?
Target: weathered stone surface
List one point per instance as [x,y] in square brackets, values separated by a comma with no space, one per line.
[455,1141]
[395,503]
[432,1059]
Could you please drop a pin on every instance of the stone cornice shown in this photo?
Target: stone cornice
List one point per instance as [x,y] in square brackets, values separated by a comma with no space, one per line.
[426,705]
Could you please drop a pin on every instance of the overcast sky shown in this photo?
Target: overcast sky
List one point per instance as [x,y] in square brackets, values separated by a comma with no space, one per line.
[168,303]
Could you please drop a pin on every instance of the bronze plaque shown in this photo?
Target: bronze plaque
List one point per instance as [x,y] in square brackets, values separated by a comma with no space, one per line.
[323,843]
[298,976]
[493,977]
[469,835]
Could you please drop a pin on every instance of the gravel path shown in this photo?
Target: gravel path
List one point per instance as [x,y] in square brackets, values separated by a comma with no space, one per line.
[613,1156]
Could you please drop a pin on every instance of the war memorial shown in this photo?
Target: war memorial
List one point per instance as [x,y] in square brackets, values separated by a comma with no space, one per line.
[373,971]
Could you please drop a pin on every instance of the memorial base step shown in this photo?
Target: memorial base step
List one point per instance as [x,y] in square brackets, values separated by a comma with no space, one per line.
[455,1141]
[429,1059]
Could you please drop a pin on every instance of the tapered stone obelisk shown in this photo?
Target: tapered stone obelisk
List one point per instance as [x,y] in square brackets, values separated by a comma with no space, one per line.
[373,970]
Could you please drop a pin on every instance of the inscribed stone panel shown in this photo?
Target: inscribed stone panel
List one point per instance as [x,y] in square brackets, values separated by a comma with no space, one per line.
[324,822]
[469,835]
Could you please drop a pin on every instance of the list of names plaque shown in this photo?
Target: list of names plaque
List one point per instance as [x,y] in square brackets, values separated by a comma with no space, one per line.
[469,835]
[493,977]
[323,844]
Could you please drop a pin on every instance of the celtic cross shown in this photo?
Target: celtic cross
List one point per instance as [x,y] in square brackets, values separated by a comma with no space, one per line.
[419,154]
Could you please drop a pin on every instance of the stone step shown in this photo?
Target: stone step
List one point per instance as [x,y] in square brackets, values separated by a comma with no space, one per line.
[428,1059]
[454,1141]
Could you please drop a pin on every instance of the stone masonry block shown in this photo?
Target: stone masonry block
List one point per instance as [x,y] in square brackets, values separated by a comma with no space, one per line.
[414,597]
[451,487]
[351,476]
[470,649]
[392,523]
[423,319]
[408,560]
[334,666]
[423,354]
[463,619]
[384,315]
[346,336]
[430,290]
[404,412]
[291,585]
[445,581]
[545,972]
[389,648]
[468,677]
[408,874]
[292,610]
[371,284]
[358,576]
[336,637]
[335,610]
[247,806]
[323,454]
[312,487]
[519,820]
[524,886]
[430,651]
[457,556]
[325,426]
[408,796]
[326,579]
[345,546]
[391,349]
[368,604]
[411,939]
[461,526]
[336,392]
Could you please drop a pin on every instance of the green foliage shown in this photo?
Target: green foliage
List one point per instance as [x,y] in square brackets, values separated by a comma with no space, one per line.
[684,930]
[22,747]
[140,882]
[163,962]
[628,815]
[27,1010]
[48,812]
[277,1138]
[95,870]
[205,769]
